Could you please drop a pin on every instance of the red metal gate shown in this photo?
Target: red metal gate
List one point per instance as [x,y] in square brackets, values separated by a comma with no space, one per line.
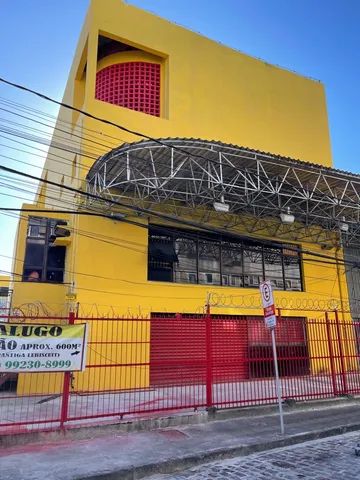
[143,365]
[240,348]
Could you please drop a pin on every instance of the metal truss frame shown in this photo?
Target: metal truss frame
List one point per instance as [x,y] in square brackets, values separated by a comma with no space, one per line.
[186,176]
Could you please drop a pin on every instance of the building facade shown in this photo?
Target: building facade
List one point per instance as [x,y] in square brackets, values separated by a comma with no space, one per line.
[222,186]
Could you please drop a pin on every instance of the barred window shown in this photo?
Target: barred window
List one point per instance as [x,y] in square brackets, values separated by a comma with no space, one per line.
[43,262]
[134,85]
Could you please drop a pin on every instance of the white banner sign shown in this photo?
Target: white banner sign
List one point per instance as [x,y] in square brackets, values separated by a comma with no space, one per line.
[42,348]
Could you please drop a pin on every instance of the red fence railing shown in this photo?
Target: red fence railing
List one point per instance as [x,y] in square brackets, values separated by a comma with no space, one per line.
[178,362]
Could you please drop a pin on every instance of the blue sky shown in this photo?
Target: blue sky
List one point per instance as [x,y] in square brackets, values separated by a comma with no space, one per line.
[319,39]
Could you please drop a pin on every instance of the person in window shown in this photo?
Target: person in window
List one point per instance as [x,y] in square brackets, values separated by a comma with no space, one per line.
[34,276]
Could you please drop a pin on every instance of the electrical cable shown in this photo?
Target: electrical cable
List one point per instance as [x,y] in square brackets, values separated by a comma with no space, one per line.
[109,278]
[108,122]
[310,253]
[332,258]
[55,119]
[161,215]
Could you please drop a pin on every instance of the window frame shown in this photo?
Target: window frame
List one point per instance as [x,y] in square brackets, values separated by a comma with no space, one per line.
[245,279]
[42,269]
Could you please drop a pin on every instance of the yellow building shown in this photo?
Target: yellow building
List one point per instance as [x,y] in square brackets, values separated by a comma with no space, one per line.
[227,182]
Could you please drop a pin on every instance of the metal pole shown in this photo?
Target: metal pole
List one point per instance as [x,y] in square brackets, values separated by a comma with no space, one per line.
[277,381]
[66,387]
[209,360]
[331,353]
[341,354]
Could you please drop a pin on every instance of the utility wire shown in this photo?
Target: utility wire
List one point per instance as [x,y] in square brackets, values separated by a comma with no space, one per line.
[161,215]
[108,122]
[81,233]
[167,217]
[113,124]
[74,152]
[53,127]
[48,117]
[62,186]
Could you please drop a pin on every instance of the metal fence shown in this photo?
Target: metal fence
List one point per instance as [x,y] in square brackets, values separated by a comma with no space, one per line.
[139,366]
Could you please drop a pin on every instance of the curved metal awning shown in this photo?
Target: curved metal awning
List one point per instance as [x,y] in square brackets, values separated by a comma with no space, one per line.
[196,173]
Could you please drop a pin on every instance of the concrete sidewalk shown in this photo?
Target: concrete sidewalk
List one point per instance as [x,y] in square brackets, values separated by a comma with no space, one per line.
[139,454]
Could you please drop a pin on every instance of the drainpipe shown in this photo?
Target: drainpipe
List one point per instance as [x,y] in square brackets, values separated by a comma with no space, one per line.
[341,293]
[338,273]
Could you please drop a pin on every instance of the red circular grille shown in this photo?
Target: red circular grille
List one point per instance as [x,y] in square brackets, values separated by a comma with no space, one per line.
[134,85]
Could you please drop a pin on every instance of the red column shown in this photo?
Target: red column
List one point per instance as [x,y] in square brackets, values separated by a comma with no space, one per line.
[66,386]
[209,360]
[331,354]
[341,353]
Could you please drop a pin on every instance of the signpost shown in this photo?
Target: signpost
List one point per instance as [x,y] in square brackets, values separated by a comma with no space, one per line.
[270,321]
[42,348]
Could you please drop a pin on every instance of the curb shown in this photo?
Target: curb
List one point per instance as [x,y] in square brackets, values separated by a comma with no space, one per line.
[189,461]
[82,432]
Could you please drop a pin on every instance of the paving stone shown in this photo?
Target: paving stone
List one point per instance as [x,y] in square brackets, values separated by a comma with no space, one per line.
[326,459]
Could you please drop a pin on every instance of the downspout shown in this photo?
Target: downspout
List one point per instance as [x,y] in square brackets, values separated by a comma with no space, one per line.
[343,340]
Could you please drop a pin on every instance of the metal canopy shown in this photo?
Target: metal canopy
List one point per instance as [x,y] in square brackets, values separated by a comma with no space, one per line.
[193,173]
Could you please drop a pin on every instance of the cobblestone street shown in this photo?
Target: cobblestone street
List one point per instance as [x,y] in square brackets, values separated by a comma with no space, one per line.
[317,460]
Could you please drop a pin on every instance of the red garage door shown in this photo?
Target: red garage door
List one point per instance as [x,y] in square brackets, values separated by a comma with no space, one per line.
[229,348]
[240,349]
[291,346]
[178,349]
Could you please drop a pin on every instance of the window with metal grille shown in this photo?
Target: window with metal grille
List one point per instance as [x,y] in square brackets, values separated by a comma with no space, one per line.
[134,85]
[182,256]
[43,262]
[4,299]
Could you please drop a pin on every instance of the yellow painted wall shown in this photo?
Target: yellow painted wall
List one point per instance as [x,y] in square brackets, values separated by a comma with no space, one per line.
[209,91]
[5,280]
[117,275]
[212,91]
[124,290]
[111,280]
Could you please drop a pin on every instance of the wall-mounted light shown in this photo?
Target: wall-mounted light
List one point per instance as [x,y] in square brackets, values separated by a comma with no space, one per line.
[344,227]
[221,206]
[117,216]
[287,217]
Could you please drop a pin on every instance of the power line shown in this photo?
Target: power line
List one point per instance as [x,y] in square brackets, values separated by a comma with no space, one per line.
[67,150]
[58,146]
[170,284]
[109,122]
[166,230]
[54,127]
[339,261]
[99,238]
[161,215]
[191,223]
[167,217]
[66,161]
[114,218]
[49,143]
[44,115]
[109,216]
